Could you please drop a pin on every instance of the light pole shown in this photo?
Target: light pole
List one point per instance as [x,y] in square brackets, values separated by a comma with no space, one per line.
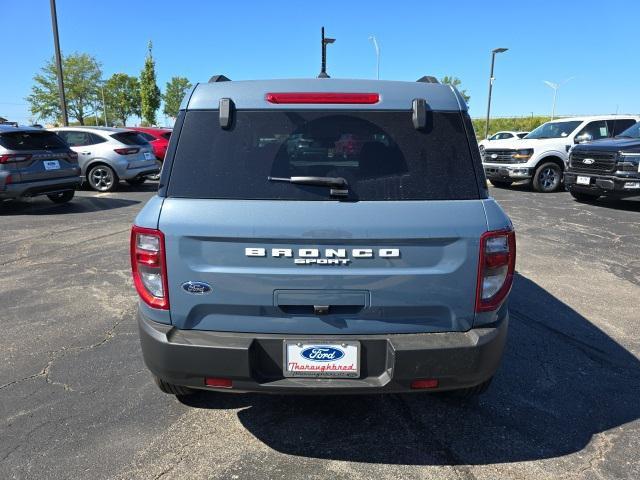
[555,87]
[491,79]
[104,106]
[377,47]
[323,66]
[56,42]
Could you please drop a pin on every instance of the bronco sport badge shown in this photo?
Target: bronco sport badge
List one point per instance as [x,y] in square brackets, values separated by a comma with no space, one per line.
[329,256]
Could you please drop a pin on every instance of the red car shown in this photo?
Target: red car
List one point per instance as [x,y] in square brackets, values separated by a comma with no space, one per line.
[157,137]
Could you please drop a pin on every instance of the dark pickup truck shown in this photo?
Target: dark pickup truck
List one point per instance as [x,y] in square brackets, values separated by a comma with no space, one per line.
[608,167]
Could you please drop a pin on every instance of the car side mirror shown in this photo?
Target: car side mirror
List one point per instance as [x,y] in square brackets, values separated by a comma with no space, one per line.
[585,137]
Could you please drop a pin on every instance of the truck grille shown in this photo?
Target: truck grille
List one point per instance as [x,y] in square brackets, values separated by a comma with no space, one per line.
[602,162]
[501,156]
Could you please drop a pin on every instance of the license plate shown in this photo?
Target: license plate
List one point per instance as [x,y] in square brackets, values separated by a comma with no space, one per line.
[583,180]
[320,359]
[148,156]
[51,165]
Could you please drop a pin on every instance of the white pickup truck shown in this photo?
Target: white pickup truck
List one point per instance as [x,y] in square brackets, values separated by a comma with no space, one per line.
[541,157]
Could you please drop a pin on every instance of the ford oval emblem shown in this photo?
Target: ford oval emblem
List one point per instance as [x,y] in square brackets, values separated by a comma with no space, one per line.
[322,354]
[196,288]
[588,161]
[494,155]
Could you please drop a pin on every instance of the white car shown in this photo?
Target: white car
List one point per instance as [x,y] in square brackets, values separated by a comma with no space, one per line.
[541,157]
[502,135]
[107,155]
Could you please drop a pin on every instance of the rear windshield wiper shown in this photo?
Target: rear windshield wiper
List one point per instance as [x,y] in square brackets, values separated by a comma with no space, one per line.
[339,186]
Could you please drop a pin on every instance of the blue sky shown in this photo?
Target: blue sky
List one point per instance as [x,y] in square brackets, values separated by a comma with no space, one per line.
[593,41]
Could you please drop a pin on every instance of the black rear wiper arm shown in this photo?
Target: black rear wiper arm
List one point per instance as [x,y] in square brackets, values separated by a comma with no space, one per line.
[339,186]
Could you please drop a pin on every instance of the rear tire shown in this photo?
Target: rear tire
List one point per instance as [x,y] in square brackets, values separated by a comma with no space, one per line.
[136,181]
[584,197]
[548,178]
[501,184]
[172,389]
[62,197]
[102,178]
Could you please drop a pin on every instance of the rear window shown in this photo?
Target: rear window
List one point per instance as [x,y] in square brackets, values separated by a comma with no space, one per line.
[130,138]
[379,153]
[31,141]
[166,136]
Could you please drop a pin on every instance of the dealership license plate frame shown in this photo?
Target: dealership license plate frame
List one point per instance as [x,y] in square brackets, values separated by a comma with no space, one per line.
[148,156]
[583,180]
[51,165]
[300,345]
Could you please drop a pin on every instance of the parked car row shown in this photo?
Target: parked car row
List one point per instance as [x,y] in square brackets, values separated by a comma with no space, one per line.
[55,162]
[555,151]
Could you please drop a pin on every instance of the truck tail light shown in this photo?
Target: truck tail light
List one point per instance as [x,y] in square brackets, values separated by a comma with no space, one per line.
[126,151]
[495,268]
[321,97]
[149,266]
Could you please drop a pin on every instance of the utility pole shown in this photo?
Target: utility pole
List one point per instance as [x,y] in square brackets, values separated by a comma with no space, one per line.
[377,47]
[323,66]
[104,107]
[491,79]
[56,41]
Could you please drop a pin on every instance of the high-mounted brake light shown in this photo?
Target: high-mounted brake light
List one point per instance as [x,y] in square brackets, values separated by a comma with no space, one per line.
[149,266]
[126,151]
[495,269]
[335,98]
[14,157]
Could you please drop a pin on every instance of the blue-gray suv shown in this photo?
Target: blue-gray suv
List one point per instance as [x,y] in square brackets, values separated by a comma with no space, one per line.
[322,236]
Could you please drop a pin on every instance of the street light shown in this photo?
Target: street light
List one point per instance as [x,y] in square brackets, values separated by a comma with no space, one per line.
[555,87]
[377,47]
[56,44]
[323,67]
[491,79]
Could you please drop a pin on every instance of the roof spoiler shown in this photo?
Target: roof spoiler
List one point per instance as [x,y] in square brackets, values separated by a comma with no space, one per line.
[428,79]
[219,78]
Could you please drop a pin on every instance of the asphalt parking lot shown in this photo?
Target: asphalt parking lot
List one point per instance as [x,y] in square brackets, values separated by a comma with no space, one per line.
[77,402]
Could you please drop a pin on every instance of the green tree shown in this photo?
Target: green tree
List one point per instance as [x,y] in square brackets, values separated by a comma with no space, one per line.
[174,92]
[122,97]
[149,91]
[81,82]
[456,82]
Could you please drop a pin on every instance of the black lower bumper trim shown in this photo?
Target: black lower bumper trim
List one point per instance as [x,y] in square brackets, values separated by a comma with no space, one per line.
[388,363]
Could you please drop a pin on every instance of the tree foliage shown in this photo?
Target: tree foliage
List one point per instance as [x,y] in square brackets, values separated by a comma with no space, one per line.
[516,124]
[81,84]
[122,97]
[456,82]
[149,91]
[173,94]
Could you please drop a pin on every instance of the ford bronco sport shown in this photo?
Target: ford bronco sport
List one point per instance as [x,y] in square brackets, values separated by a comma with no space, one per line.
[275,259]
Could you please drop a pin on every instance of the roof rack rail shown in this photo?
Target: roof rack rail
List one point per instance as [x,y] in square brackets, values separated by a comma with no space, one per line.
[428,79]
[219,78]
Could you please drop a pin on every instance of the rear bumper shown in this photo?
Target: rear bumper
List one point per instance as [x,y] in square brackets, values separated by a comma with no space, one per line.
[41,187]
[503,172]
[389,363]
[603,184]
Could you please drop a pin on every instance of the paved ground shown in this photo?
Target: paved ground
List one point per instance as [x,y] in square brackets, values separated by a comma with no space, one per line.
[77,402]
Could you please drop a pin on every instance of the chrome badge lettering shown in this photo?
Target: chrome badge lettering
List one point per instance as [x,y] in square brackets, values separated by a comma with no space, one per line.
[327,256]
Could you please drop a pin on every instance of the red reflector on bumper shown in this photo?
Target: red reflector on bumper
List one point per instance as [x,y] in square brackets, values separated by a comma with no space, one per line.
[217,382]
[426,383]
[339,98]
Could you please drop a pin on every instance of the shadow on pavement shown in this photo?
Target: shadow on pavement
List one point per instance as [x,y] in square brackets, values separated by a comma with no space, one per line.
[562,381]
[79,204]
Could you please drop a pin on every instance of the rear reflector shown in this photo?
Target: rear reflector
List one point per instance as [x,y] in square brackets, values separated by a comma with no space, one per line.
[495,269]
[335,98]
[425,383]
[217,382]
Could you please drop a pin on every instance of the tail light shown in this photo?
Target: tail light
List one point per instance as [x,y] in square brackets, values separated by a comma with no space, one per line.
[337,98]
[149,267]
[14,157]
[495,269]
[73,156]
[126,151]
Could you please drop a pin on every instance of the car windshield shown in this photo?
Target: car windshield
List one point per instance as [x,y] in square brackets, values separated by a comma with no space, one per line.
[555,129]
[631,132]
[379,154]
